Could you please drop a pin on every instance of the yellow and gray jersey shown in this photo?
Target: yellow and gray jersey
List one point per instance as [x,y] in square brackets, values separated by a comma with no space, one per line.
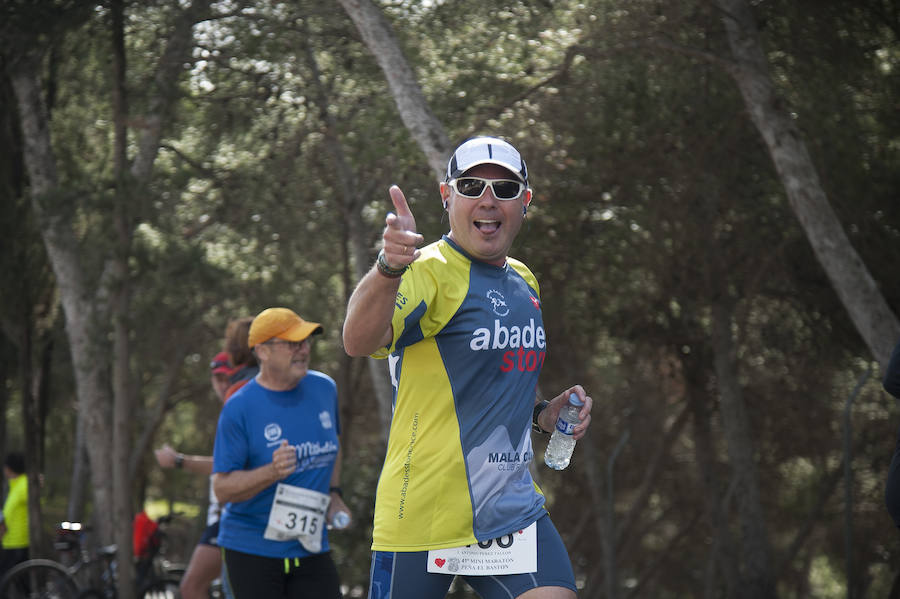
[467,350]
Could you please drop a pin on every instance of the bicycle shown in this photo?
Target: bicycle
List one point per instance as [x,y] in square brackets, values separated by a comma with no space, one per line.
[86,576]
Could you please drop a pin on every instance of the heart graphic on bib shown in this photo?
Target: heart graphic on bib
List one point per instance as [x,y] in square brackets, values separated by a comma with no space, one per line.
[440,562]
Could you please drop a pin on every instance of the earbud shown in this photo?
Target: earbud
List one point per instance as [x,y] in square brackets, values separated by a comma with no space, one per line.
[524,210]
[445,205]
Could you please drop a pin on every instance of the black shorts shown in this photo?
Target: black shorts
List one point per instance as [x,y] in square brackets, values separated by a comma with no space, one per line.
[252,576]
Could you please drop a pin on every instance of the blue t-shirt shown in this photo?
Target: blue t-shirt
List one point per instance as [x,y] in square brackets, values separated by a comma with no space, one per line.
[251,426]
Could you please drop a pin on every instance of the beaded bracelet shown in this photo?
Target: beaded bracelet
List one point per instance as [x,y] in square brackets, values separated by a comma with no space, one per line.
[386,269]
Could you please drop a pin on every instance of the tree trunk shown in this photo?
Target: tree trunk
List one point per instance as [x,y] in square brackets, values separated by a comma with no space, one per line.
[80,472]
[6,359]
[86,315]
[350,199]
[81,310]
[722,560]
[120,299]
[154,419]
[428,132]
[123,410]
[602,520]
[655,463]
[425,128]
[876,323]
[34,413]
[758,581]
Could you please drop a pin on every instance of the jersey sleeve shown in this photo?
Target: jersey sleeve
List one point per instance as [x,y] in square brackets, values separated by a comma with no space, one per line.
[231,449]
[415,315]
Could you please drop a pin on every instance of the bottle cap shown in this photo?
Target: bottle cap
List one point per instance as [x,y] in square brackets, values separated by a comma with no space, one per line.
[573,399]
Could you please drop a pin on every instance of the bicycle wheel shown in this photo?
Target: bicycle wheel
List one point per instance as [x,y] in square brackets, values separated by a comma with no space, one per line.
[175,571]
[38,579]
[165,588]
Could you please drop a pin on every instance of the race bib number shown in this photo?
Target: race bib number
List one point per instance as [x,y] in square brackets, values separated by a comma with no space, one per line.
[515,553]
[297,514]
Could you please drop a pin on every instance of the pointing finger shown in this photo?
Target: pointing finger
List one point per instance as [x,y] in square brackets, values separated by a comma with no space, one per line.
[400,236]
[399,200]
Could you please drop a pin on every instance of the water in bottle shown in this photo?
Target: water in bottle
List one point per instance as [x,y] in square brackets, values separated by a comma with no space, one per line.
[561,445]
[340,520]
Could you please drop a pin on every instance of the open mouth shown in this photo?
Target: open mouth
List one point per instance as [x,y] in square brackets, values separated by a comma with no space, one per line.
[487,226]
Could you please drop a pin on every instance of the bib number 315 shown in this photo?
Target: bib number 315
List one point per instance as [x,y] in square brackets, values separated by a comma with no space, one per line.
[297,513]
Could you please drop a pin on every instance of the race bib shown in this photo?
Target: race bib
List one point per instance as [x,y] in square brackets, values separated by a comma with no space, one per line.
[297,514]
[515,553]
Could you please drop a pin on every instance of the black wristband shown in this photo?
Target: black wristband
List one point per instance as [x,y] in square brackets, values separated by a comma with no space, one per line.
[538,408]
[386,269]
[336,490]
[179,460]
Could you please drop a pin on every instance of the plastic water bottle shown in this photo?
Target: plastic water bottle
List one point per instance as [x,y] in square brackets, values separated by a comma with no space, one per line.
[561,445]
[340,520]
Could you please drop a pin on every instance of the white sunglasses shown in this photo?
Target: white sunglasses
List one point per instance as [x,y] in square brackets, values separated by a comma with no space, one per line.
[473,187]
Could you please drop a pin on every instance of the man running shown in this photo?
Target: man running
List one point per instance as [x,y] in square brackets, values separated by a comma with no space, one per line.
[460,323]
[277,466]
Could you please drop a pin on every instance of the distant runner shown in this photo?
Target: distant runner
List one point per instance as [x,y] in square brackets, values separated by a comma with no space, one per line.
[205,564]
[277,466]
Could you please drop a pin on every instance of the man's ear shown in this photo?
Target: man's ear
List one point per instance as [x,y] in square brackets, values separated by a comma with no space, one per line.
[445,194]
[527,199]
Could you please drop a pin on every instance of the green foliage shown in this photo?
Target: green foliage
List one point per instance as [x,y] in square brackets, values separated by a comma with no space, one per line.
[654,198]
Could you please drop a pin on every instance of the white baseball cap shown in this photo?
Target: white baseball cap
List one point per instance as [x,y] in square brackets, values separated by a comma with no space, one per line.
[486,150]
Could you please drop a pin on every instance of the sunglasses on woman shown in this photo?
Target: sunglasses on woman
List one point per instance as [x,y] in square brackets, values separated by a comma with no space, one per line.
[473,187]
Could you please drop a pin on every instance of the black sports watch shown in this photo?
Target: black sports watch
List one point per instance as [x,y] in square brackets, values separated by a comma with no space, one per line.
[538,408]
